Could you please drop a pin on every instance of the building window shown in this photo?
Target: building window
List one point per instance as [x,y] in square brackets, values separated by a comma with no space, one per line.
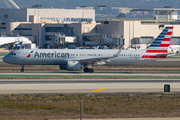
[17,29]
[22,29]
[2,27]
[25,28]
[50,37]
[151,37]
[5,15]
[59,29]
[3,23]
[106,22]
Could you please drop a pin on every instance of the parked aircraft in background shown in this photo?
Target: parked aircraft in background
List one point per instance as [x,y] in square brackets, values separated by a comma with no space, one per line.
[8,40]
[76,59]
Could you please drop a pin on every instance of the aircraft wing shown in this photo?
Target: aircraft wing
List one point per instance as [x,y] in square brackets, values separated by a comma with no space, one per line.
[98,60]
[8,40]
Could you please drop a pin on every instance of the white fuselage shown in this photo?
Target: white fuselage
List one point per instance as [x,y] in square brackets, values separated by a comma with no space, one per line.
[61,56]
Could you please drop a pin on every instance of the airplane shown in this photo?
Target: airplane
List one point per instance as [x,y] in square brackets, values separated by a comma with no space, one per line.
[76,59]
[8,40]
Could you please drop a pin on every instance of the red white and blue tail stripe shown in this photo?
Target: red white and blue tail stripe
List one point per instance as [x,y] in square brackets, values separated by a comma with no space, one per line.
[163,39]
[159,48]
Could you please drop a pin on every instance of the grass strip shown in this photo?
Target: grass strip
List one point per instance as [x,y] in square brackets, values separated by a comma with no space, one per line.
[62,106]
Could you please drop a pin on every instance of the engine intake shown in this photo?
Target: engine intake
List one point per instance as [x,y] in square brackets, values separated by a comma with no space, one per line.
[71,66]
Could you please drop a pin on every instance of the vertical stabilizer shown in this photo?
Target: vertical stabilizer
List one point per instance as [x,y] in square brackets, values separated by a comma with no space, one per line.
[163,39]
[159,47]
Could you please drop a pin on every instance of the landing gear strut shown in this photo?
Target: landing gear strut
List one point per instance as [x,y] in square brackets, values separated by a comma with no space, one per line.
[22,70]
[90,70]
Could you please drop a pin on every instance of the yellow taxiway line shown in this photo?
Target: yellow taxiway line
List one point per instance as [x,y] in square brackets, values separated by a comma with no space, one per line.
[99,90]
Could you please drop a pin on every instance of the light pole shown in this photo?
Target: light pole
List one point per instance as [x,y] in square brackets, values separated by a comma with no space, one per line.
[101,31]
[101,8]
[36,6]
[82,6]
[81,109]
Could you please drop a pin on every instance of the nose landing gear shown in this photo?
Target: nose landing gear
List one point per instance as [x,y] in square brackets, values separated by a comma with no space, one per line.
[90,70]
[22,70]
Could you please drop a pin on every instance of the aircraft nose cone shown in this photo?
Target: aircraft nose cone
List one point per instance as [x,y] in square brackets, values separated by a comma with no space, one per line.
[6,59]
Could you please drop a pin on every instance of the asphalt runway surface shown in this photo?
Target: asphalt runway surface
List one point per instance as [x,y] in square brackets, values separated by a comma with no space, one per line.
[109,73]
[69,86]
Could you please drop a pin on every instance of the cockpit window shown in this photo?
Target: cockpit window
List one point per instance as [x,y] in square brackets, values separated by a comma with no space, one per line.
[12,53]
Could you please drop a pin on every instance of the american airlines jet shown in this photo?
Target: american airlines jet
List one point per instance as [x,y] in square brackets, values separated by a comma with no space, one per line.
[76,59]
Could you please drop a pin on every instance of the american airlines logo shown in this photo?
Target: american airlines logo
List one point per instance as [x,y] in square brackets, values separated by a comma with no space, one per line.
[29,55]
[138,46]
[51,55]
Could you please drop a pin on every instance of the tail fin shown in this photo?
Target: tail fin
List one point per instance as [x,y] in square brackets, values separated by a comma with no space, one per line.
[159,48]
[163,39]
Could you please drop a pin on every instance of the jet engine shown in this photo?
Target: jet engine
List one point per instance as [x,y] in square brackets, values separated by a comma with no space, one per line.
[71,66]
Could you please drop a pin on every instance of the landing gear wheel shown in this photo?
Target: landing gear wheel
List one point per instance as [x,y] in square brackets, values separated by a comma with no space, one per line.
[86,70]
[91,70]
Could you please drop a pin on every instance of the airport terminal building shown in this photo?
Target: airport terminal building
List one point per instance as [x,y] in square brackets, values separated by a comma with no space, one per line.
[48,26]
[57,15]
[139,32]
[60,28]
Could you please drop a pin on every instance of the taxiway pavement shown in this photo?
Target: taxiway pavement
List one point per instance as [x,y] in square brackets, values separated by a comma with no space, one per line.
[68,86]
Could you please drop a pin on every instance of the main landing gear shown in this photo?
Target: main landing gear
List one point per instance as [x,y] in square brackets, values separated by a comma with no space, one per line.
[90,70]
[22,70]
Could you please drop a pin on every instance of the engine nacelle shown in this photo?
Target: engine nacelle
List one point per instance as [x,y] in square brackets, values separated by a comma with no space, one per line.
[71,66]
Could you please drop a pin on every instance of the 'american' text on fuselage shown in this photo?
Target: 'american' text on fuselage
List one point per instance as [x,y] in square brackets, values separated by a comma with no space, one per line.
[51,55]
